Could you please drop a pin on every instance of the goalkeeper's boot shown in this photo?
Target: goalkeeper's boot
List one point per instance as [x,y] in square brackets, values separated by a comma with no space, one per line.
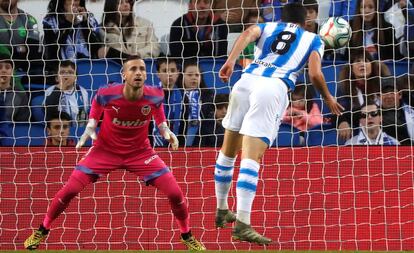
[36,238]
[223,217]
[244,232]
[191,243]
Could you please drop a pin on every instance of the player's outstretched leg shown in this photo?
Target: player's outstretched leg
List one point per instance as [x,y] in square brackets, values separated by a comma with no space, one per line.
[223,177]
[78,180]
[33,241]
[223,217]
[167,184]
[244,232]
[246,192]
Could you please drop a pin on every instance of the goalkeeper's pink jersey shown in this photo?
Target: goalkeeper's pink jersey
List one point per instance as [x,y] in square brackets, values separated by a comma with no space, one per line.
[125,123]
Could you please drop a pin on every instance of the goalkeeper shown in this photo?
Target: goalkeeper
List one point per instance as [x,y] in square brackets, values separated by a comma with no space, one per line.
[123,144]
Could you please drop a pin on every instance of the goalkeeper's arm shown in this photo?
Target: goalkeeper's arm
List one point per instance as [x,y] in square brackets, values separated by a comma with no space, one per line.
[94,116]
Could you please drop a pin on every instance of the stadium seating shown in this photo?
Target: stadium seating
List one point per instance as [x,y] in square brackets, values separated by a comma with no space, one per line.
[322,135]
[25,134]
[37,108]
[288,136]
[92,74]
[211,68]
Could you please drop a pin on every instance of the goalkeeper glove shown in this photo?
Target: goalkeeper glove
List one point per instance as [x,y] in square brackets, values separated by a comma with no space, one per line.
[89,133]
[168,135]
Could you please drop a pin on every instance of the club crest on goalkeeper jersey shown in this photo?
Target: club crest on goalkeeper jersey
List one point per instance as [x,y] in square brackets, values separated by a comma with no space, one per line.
[124,127]
[282,50]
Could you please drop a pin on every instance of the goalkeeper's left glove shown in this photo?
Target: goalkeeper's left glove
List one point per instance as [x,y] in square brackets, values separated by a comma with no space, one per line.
[168,135]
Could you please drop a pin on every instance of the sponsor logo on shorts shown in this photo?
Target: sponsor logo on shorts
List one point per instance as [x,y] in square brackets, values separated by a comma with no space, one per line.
[150,159]
[146,109]
[129,123]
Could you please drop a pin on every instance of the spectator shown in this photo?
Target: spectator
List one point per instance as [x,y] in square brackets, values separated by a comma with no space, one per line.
[71,32]
[212,130]
[15,101]
[370,132]
[401,17]
[247,55]
[19,31]
[235,12]
[370,31]
[302,112]
[167,72]
[67,96]
[198,33]
[58,127]
[312,9]
[344,9]
[397,117]
[405,85]
[358,83]
[126,34]
[197,104]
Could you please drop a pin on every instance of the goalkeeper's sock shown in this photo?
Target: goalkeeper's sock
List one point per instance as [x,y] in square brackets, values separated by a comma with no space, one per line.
[167,184]
[246,189]
[186,236]
[223,177]
[76,183]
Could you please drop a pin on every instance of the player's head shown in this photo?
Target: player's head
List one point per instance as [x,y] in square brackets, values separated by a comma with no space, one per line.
[134,72]
[167,72]
[294,13]
[370,116]
[6,71]
[58,127]
[66,75]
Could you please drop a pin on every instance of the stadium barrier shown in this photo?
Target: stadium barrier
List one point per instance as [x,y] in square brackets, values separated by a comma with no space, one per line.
[330,198]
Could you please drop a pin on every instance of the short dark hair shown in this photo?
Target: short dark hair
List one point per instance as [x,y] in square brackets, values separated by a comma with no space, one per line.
[63,116]
[311,4]
[166,60]
[221,100]
[294,13]
[67,63]
[132,58]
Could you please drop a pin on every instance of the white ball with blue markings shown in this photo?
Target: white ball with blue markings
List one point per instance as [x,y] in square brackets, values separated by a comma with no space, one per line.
[335,32]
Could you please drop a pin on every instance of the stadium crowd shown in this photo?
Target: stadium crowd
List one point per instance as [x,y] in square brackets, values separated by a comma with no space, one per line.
[38,74]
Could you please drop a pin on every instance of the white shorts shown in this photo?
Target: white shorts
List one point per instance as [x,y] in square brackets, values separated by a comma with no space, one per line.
[257,105]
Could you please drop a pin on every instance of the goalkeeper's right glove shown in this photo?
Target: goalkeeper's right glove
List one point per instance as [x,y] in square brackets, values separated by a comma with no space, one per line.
[89,133]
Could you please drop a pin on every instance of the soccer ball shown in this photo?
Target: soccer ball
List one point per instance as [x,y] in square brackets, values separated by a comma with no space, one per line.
[335,32]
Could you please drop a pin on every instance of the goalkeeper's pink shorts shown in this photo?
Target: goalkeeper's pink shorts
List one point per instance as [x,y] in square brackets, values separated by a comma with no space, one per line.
[144,163]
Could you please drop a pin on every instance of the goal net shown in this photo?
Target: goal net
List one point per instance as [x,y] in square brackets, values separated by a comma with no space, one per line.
[314,192]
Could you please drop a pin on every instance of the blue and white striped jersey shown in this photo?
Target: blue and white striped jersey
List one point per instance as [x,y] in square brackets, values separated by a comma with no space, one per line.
[282,50]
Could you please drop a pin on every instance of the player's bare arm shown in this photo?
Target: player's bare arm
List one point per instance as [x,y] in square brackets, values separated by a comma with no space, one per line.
[318,80]
[249,35]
